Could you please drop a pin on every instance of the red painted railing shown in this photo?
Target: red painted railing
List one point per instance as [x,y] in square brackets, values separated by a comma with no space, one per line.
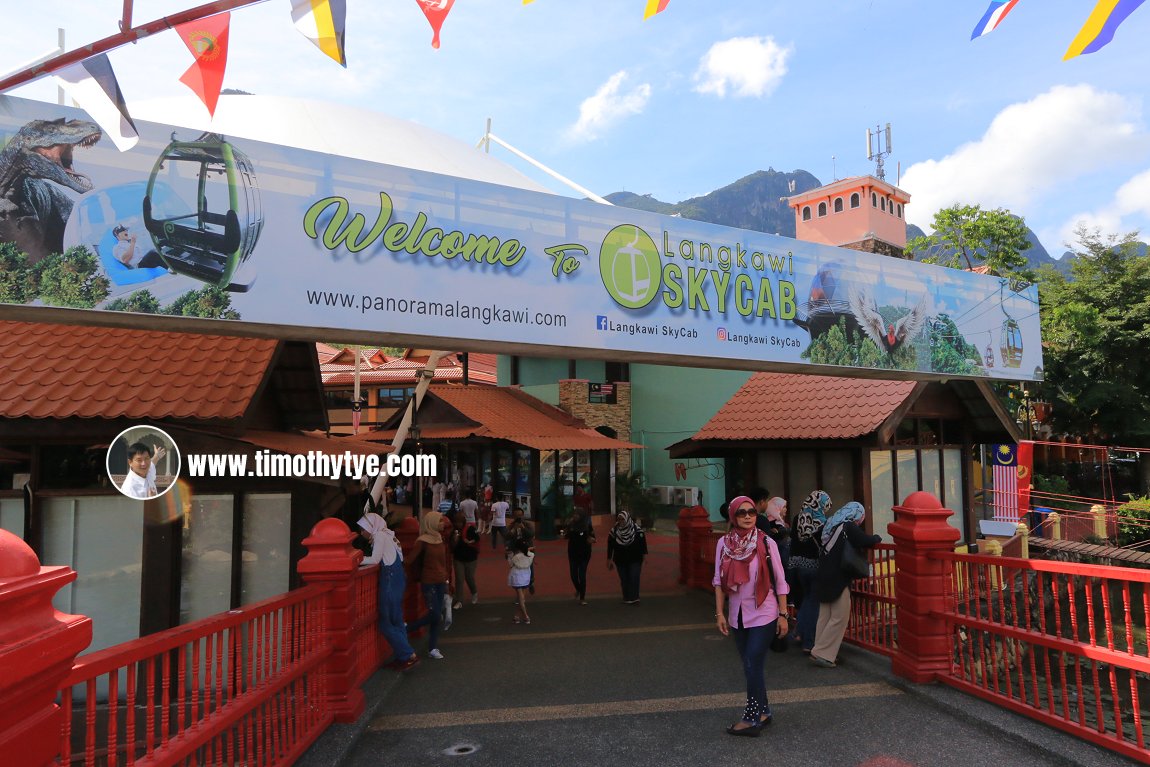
[874,613]
[1062,643]
[243,687]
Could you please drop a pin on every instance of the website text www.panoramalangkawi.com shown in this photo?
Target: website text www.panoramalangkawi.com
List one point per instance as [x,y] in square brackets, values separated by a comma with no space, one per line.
[485,314]
[314,463]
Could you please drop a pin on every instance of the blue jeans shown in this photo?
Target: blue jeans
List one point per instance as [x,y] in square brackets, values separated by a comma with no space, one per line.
[629,579]
[433,618]
[753,644]
[392,583]
[808,616]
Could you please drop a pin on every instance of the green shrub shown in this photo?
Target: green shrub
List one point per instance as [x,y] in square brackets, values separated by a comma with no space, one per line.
[1134,521]
[17,278]
[72,278]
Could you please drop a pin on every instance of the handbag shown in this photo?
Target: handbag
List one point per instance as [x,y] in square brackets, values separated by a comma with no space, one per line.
[446,611]
[854,563]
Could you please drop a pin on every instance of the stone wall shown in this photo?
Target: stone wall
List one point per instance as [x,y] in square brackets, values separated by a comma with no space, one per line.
[573,399]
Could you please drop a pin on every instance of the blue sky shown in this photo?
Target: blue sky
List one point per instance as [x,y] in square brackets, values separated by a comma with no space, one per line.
[708,92]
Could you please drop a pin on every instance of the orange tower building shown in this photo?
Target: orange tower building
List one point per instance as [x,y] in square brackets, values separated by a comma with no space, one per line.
[862,213]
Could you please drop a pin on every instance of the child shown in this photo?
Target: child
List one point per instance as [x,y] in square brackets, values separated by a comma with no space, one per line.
[520,557]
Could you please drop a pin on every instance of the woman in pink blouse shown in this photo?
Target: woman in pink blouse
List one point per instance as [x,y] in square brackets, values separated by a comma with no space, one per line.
[749,572]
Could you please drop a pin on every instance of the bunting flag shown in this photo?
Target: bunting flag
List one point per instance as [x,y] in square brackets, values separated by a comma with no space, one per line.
[1099,28]
[207,39]
[653,7]
[322,22]
[92,84]
[993,17]
[435,11]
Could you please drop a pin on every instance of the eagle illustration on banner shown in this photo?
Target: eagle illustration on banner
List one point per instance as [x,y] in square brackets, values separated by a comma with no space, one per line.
[435,11]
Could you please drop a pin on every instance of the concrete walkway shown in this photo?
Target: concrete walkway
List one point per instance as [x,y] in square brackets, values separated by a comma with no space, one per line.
[655,684]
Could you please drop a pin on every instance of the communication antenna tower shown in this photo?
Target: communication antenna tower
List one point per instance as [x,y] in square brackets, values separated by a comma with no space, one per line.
[878,149]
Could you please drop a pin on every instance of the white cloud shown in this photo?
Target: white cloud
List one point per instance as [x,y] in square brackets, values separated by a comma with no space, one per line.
[1031,152]
[1132,200]
[748,66]
[609,105]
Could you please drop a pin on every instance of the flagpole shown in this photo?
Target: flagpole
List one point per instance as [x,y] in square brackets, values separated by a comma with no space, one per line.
[123,37]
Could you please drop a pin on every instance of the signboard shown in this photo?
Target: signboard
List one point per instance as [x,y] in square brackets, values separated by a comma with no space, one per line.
[200,225]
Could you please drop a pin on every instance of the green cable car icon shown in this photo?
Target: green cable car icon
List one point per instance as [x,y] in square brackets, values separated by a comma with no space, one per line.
[210,240]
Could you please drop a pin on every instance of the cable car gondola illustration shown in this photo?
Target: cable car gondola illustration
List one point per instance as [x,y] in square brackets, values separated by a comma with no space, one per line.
[1011,347]
[211,239]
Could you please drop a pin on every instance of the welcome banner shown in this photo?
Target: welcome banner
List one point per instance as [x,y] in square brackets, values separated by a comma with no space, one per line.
[203,225]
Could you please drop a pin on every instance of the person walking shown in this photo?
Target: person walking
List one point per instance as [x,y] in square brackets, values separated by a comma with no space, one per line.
[519,529]
[386,552]
[498,523]
[832,586]
[804,563]
[429,568]
[465,557]
[749,575]
[626,548]
[580,535]
[520,559]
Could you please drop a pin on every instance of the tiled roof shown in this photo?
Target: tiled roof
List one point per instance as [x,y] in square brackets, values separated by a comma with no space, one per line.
[510,414]
[66,371]
[300,444]
[793,406]
[404,370]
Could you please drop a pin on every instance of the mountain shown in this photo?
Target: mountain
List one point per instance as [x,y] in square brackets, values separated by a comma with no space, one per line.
[756,202]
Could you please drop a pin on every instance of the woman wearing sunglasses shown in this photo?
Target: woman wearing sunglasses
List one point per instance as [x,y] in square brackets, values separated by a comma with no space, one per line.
[749,574]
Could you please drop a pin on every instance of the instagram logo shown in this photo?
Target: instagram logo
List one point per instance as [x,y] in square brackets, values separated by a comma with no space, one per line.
[722,333]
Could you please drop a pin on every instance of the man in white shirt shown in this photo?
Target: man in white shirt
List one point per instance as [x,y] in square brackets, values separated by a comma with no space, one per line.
[140,481]
[126,252]
[499,511]
[469,507]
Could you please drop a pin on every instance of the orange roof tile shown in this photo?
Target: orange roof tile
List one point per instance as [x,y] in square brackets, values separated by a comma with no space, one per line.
[66,371]
[793,406]
[510,414]
[340,371]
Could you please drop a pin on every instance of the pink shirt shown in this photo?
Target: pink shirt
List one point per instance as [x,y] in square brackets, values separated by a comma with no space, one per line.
[744,598]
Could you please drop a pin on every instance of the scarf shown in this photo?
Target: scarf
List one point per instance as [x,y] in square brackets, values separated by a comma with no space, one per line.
[852,512]
[739,546]
[429,527]
[813,515]
[776,508]
[382,538]
[625,529]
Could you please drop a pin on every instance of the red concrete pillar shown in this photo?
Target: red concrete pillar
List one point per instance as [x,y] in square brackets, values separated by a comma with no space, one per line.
[702,563]
[332,560]
[38,646]
[685,537]
[919,530]
[406,532]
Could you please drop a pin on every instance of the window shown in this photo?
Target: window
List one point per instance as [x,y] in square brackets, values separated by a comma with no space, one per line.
[855,200]
[394,397]
[882,205]
[873,200]
[806,213]
[838,205]
[338,399]
[900,210]
[822,209]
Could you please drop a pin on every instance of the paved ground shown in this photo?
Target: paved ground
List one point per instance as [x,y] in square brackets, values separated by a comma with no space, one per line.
[655,684]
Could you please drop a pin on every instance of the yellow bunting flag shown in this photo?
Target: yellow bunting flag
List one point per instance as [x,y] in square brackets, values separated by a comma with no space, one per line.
[322,22]
[655,6]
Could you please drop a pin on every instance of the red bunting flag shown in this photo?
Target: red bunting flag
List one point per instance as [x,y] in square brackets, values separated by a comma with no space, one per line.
[207,39]
[435,11]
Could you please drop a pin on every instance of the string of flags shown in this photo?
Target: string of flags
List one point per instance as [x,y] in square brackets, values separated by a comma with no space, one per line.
[1096,33]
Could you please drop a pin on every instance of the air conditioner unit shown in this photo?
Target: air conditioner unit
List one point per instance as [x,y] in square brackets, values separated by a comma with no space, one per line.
[686,496]
[661,494]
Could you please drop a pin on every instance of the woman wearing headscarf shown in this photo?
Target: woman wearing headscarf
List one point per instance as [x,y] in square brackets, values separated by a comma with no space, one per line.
[429,568]
[626,548]
[831,585]
[749,574]
[580,535]
[804,562]
[385,550]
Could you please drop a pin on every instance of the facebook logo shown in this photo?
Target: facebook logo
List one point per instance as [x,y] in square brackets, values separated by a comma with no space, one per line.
[601,322]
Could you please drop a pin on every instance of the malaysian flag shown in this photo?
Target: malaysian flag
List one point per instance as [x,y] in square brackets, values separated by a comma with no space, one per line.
[1004,482]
